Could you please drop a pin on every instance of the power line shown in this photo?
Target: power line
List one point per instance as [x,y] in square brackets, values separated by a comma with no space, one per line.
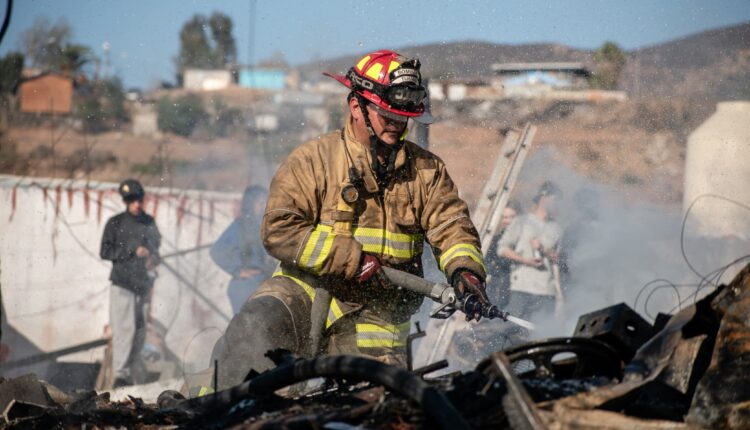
[6,20]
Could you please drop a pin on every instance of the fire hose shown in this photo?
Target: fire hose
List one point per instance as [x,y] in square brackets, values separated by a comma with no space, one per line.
[443,294]
[435,405]
[449,302]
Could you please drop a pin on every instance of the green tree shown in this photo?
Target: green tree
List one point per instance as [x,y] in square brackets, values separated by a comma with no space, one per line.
[225,48]
[610,61]
[100,105]
[10,76]
[73,58]
[10,72]
[224,120]
[195,50]
[181,115]
[199,49]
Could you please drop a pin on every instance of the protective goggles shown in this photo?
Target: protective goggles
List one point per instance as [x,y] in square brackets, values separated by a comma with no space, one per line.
[405,97]
[386,114]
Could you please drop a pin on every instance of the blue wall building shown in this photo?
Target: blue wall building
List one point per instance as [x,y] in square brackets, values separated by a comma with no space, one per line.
[264,79]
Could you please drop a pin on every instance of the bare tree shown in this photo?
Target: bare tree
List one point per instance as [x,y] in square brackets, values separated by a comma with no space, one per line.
[43,42]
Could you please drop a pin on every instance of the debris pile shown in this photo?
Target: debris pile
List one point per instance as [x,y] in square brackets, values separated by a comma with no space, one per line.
[688,371]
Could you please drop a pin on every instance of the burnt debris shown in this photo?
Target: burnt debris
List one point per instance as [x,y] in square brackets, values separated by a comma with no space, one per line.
[619,372]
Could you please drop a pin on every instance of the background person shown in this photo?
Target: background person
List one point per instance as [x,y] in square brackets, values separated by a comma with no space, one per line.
[239,250]
[498,267]
[531,243]
[131,242]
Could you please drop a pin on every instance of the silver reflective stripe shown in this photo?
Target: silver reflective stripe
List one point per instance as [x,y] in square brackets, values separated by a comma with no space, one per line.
[318,249]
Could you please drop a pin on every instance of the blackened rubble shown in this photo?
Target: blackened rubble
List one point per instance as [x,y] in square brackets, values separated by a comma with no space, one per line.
[692,373]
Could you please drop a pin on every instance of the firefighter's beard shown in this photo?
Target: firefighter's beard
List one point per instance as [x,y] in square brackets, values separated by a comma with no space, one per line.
[390,135]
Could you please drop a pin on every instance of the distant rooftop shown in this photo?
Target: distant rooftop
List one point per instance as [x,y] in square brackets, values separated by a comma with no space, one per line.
[571,67]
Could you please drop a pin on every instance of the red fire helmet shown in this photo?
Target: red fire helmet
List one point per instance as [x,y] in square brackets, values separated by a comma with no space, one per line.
[390,81]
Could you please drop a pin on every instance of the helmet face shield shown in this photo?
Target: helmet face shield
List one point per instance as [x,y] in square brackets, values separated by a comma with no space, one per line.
[406,98]
[387,114]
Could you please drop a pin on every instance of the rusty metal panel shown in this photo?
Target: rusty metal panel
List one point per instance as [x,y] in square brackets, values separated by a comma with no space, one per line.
[46,94]
[723,394]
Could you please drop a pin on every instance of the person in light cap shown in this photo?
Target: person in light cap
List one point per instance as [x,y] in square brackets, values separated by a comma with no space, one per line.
[342,206]
[531,243]
[131,242]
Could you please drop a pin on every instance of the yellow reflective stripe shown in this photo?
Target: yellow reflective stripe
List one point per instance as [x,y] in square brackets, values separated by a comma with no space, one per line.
[362,62]
[392,66]
[461,250]
[381,336]
[374,71]
[310,246]
[384,242]
[373,240]
[317,248]
[385,328]
[378,343]
[334,311]
[308,289]
[205,390]
[389,251]
[327,244]
[380,233]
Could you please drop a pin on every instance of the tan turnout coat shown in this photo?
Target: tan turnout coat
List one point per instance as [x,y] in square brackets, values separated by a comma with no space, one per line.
[421,203]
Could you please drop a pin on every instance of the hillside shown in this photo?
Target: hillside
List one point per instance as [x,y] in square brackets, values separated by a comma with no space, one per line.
[468,59]
[712,65]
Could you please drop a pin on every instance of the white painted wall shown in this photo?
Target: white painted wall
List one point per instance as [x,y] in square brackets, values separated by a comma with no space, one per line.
[206,80]
[55,288]
[718,162]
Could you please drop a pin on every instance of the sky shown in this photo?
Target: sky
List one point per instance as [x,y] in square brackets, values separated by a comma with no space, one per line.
[144,34]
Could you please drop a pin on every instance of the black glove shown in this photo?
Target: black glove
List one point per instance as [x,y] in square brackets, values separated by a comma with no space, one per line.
[465,282]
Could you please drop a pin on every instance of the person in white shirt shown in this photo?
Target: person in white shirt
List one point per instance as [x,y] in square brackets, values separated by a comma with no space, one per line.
[531,243]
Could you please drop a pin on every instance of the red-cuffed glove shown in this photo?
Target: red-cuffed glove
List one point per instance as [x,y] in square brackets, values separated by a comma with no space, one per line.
[466,282]
[369,267]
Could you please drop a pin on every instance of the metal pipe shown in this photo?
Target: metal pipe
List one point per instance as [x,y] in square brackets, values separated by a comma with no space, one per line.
[49,356]
[195,290]
[444,294]
[186,251]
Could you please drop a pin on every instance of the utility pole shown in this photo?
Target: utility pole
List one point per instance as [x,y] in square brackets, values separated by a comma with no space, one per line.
[637,86]
[52,136]
[422,131]
[251,41]
[105,69]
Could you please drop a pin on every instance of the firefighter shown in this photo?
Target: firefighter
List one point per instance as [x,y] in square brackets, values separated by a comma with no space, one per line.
[131,242]
[342,206]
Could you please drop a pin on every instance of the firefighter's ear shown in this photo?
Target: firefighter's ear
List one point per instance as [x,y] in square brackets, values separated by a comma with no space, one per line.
[355,109]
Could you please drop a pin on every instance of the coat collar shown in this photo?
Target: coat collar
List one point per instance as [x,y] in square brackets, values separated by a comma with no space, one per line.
[361,156]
